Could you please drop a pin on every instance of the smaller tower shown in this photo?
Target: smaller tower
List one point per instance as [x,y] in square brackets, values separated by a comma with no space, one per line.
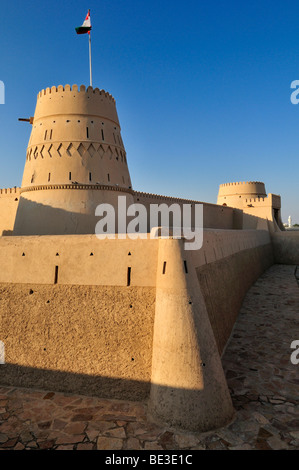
[257,209]
[234,194]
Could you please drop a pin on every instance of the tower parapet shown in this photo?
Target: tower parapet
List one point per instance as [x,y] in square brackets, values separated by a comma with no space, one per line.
[75,143]
[233,194]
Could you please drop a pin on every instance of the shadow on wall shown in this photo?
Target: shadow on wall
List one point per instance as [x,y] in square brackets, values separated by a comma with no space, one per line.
[34,218]
[286,247]
[253,222]
[7,233]
[75,383]
[271,222]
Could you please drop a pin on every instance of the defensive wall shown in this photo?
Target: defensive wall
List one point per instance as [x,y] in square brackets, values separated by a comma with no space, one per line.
[148,323]
[62,210]
[286,247]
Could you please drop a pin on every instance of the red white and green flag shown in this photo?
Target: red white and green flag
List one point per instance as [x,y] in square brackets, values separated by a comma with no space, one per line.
[86,27]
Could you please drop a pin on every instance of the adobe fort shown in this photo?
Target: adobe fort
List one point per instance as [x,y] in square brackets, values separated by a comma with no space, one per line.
[139,319]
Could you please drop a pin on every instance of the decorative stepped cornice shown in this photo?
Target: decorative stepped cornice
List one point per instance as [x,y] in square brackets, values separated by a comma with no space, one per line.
[101,187]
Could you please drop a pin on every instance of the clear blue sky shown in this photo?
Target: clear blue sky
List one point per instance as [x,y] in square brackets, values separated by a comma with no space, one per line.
[202,88]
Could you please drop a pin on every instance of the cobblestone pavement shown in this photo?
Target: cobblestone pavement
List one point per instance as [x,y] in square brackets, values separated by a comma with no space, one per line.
[263,382]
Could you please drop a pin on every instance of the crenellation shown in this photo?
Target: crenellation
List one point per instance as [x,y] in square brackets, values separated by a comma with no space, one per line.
[49,92]
[241,183]
[9,191]
[256,200]
[158,196]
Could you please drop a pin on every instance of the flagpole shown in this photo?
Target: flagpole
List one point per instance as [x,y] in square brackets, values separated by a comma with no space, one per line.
[90,68]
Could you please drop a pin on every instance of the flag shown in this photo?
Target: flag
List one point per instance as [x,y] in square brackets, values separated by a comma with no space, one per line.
[86,27]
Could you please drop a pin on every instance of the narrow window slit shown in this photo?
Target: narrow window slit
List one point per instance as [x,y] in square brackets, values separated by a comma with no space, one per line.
[56,275]
[185,266]
[164,267]
[129,276]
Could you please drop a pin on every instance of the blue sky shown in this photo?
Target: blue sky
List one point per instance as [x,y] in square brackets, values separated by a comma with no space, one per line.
[202,88]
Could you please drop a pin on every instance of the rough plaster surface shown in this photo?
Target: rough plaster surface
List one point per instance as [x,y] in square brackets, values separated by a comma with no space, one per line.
[224,284]
[286,247]
[86,339]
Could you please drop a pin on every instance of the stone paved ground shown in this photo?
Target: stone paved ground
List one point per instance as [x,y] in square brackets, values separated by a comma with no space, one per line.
[264,386]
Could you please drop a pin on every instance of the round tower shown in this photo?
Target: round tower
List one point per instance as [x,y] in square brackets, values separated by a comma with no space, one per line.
[233,194]
[75,161]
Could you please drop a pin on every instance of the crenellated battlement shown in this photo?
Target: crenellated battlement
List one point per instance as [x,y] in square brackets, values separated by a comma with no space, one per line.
[256,200]
[9,191]
[240,183]
[74,89]
[160,197]
[255,189]
[75,100]
[272,200]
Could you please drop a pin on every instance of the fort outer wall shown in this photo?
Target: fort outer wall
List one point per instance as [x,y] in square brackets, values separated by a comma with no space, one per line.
[255,213]
[138,325]
[214,216]
[286,247]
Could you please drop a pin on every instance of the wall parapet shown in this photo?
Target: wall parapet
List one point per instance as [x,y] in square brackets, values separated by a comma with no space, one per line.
[139,194]
[240,183]
[158,196]
[272,200]
[9,191]
[35,257]
[256,200]
[74,89]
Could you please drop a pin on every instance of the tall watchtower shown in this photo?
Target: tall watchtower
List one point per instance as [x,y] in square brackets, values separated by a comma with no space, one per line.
[75,160]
